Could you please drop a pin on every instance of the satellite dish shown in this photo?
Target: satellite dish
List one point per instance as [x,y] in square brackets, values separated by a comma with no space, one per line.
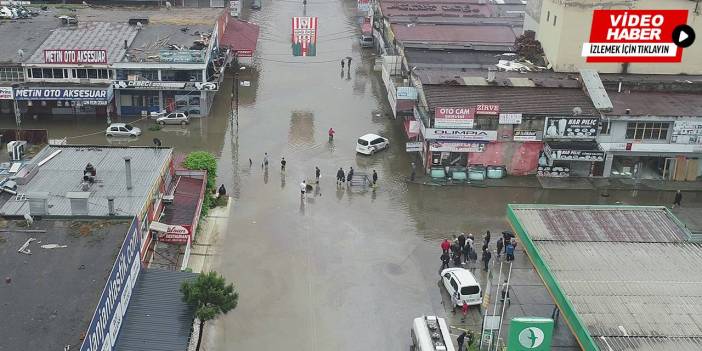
[577,111]
[157,142]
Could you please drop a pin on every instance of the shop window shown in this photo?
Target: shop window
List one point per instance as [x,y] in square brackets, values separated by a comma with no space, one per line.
[647,130]
[81,73]
[531,123]
[92,74]
[11,74]
[606,126]
[102,74]
[59,73]
[47,73]
[36,73]
[152,100]
[486,122]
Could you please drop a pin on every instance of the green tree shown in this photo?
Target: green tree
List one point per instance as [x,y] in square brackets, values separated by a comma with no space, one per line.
[203,160]
[211,296]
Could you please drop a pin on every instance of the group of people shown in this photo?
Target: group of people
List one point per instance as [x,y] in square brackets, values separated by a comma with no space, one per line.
[461,251]
[346,178]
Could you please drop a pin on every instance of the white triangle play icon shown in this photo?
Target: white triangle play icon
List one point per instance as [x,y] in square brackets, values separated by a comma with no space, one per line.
[683,36]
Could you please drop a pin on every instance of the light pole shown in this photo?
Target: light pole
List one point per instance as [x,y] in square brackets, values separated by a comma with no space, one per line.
[235,94]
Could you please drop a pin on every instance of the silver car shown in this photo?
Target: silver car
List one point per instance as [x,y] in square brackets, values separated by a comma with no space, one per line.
[122,129]
[174,118]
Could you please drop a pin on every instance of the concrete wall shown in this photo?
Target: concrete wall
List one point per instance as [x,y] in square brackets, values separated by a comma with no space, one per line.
[563,42]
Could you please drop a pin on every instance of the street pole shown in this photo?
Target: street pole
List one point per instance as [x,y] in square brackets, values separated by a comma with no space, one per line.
[18,115]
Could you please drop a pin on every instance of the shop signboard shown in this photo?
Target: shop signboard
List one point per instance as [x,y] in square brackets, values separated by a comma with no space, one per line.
[6,93]
[75,56]
[685,132]
[530,333]
[159,85]
[454,117]
[107,319]
[413,146]
[243,53]
[448,146]
[510,118]
[406,93]
[487,109]
[571,127]
[234,8]
[182,56]
[67,94]
[576,155]
[363,5]
[304,36]
[526,135]
[460,134]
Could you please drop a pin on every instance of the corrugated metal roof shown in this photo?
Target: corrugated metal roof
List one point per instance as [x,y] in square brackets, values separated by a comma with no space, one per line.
[89,36]
[157,319]
[64,173]
[628,273]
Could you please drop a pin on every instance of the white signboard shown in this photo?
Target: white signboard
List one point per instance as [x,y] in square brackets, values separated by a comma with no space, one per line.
[6,93]
[510,118]
[413,146]
[452,146]
[571,127]
[526,135]
[234,8]
[460,134]
[684,132]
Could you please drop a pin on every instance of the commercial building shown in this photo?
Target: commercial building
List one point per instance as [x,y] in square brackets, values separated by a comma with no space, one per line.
[563,26]
[623,277]
[501,120]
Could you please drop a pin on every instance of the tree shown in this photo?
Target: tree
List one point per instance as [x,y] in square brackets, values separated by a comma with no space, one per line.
[211,296]
[203,160]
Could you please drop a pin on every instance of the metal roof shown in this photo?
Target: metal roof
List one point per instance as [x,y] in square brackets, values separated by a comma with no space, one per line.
[50,300]
[157,318]
[624,277]
[86,36]
[64,173]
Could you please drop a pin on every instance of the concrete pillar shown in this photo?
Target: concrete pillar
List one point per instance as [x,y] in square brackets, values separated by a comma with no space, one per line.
[608,165]
[160,100]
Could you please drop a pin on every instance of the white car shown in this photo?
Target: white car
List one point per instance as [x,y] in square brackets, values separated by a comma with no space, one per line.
[371,143]
[174,118]
[463,281]
[122,129]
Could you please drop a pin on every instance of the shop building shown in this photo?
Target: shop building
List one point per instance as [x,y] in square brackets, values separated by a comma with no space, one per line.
[180,73]
[495,121]
[653,135]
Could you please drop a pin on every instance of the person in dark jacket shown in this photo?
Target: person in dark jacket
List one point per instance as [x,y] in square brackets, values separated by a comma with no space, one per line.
[487,237]
[461,339]
[349,176]
[500,244]
[445,259]
[486,258]
[505,237]
[462,240]
[317,174]
[678,199]
[457,257]
[340,176]
[375,178]
[509,251]
[222,191]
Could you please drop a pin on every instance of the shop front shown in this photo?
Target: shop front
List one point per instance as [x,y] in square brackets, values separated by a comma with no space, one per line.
[574,158]
[37,102]
[677,162]
[6,101]
[454,147]
[136,96]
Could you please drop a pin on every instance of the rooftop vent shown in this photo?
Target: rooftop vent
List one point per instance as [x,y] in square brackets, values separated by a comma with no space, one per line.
[79,202]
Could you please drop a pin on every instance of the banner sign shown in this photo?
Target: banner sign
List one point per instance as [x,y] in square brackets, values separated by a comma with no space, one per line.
[158,85]
[510,118]
[576,155]
[366,26]
[526,135]
[406,93]
[571,128]
[363,5]
[456,146]
[413,146]
[181,56]
[454,117]
[75,56]
[304,36]
[460,134]
[6,93]
[234,8]
[487,109]
[175,234]
[107,319]
[637,36]
[530,333]
[70,94]
[243,53]
[684,132]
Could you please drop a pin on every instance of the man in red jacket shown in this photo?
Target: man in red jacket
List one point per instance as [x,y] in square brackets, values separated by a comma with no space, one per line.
[445,245]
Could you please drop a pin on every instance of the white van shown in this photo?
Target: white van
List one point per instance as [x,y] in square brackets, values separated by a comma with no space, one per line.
[430,333]
[369,144]
[463,281]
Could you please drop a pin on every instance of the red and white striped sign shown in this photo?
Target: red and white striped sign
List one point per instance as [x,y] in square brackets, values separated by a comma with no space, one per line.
[304,34]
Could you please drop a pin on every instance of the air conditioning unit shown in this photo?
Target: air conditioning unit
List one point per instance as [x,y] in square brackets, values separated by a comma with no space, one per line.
[168,199]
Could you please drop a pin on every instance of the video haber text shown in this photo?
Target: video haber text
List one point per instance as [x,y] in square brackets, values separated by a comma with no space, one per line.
[635,27]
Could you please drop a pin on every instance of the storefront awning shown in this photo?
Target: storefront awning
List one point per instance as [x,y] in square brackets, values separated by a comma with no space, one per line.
[587,151]
[240,37]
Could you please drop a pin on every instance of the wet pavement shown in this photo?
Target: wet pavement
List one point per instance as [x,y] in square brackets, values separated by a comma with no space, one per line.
[345,269]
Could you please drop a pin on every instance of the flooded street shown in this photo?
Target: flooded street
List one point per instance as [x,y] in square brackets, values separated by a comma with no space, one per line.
[343,270]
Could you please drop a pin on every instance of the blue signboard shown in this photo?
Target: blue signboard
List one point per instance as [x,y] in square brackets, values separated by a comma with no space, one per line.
[107,319]
[70,94]
[406,93]
[182,56]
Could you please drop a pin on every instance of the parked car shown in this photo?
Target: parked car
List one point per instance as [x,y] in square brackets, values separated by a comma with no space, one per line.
[122,129]
[174,118]
[366,40]
[463,281]
[371,143]
[256,4]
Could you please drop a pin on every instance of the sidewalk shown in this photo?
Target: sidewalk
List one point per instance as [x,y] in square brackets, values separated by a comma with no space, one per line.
[573,183]
[205,245]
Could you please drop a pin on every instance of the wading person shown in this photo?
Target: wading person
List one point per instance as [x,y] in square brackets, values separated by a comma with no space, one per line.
[509,252]
[282,164]
[678,199]
[331,133]
[265,161]
[303,189]
[340,176]
[486,258]
[349,176]
[500,244]
[445,259]
[317,174]
[445,245]
[375,178]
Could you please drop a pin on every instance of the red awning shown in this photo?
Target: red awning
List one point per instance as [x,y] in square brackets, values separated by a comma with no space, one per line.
[240,36]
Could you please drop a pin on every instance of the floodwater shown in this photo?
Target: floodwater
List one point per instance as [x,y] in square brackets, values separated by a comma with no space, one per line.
[343,270]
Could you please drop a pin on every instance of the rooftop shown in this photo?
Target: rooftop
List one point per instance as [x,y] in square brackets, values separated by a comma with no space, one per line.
[64,173]
[153,38]
[530,100]
[53,292]
[651,103]
[476,35]
[624,277]
[157,319]
[445,8]
[453,59]
[186,197]
[26,35]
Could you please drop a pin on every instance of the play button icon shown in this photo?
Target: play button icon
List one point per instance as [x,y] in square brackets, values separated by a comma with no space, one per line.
[683,36]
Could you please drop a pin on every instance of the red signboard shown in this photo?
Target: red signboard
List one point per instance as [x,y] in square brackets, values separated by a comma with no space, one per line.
[176,234]
[366,26]
[243,53]
[75,56]
[636,36]
[487,109]
[304,36]
[453,117]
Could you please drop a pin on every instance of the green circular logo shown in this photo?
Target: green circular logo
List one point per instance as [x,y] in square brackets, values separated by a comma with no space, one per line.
[531,337]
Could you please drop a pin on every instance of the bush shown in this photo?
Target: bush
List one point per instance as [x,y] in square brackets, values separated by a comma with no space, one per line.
[203,160]
[154,127]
